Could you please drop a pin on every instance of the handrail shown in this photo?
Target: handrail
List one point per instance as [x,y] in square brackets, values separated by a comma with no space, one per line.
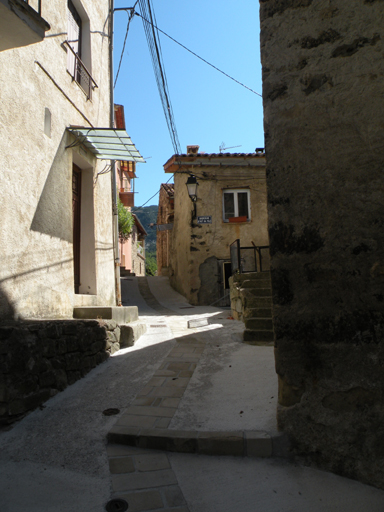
[257,251]
[79,63]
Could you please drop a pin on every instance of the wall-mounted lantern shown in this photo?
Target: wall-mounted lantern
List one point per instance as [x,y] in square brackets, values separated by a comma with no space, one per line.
[192,187]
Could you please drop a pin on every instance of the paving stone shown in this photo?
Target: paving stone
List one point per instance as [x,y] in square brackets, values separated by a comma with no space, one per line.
[156,381]
[177,381]
[143,401]
[173,496]
[121,465]
[165,373]
[190,358]
[221,443]
[122,450]
[185,374]
[157,402]
[258,444]
[123,435]
[144,391]
[128,420]
[170,402]
[182,441]
[142,410]
[167,391]
[162,422]
[152,462]
[178,366]
[143,500]
[137,481]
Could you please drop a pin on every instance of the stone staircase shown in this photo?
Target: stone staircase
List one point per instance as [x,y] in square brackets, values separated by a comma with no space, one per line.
[251,302]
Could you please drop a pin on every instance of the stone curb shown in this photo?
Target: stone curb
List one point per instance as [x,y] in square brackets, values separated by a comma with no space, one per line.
[237,443]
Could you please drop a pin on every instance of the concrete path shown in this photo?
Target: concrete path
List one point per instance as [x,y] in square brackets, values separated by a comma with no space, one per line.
[57,458]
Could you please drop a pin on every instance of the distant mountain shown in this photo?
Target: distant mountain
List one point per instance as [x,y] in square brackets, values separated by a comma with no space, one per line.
[148,217]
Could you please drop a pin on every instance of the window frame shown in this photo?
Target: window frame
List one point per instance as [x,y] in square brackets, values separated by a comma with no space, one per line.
[235,192]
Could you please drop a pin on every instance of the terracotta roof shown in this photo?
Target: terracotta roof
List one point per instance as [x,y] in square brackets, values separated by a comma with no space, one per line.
[169,188]
[178,162]
[139,225]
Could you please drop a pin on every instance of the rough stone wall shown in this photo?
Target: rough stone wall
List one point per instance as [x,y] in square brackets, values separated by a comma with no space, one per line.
[323,69]
[39,359]
[36,275]
[163,239]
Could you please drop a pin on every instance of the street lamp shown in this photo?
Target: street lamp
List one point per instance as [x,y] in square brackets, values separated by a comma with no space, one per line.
[192,187]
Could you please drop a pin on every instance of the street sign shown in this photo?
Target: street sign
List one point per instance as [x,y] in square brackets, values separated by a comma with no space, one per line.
[204,219]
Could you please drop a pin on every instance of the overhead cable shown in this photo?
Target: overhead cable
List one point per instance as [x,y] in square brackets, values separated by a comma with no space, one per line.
[201,58]
[153,40]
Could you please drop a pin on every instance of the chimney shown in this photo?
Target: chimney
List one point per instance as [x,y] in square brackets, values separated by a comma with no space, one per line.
[192,150]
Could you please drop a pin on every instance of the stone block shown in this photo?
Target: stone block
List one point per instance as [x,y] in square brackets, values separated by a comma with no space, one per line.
[258,444]
[128,420]
[121,465]
[197,322]
[174,497]
[152,462]
[169,440]
[148,480]
[122,315]
[142,410]
[143,501]
[221,443]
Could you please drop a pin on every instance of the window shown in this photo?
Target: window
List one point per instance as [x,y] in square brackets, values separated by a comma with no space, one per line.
[236,205]
[78,46]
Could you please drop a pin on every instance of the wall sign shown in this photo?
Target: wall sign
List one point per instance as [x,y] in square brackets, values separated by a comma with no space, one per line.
[204,219]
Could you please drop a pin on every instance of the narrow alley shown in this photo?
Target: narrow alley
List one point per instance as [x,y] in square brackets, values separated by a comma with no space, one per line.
[175,379]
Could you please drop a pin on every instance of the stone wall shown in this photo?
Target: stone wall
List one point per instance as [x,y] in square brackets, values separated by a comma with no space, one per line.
[39,359]
[323,68]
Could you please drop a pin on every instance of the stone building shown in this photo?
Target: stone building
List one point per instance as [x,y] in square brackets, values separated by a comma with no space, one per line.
[323,69]
[56,226]
[231,204]
[56,229]
[165,217]
[138,247]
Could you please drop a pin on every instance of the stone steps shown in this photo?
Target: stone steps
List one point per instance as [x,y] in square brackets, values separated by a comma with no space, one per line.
[255,293]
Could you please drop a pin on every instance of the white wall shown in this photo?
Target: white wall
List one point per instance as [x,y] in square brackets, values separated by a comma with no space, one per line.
[36,275]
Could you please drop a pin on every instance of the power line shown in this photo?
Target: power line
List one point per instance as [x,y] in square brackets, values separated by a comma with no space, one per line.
[130,17]
[201,58]
[153,40]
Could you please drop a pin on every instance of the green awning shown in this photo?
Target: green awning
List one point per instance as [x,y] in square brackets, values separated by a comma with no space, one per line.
[107,143]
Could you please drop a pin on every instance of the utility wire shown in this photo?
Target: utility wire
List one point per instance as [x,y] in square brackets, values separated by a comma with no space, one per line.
[201,58]
[153,40]
[154,195]
[130,17]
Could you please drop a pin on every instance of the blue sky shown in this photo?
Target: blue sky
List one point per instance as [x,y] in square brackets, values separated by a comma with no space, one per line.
[208,107]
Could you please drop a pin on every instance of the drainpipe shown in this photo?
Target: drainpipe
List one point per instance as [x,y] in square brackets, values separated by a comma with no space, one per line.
[113,169]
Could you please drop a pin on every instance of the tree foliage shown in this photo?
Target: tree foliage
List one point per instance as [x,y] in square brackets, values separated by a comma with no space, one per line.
[126,221]
[150,264]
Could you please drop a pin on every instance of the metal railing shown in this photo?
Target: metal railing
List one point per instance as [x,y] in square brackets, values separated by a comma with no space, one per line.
[249,259]
[80,73]
[38,6]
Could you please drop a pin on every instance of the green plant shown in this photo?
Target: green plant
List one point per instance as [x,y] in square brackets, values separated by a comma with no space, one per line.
[150,264]
[126,221]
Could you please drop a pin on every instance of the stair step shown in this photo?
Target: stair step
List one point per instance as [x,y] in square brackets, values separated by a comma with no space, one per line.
[259,323]
[258,292]
[257,313]
[258,335]
[250,301]
[252,276]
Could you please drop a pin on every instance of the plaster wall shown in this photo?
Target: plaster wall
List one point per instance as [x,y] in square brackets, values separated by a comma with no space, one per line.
[196,248]
[36,275]
[323,68]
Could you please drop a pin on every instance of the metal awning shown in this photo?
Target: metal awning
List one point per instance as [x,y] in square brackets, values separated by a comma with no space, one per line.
[107,143]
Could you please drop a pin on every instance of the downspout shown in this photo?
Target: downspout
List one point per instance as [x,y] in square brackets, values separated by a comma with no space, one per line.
[113,168]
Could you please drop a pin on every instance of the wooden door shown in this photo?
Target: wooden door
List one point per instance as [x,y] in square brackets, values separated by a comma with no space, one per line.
[76,211]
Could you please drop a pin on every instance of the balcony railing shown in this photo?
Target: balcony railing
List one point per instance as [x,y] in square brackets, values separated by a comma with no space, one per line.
[38,5]
[79,72]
